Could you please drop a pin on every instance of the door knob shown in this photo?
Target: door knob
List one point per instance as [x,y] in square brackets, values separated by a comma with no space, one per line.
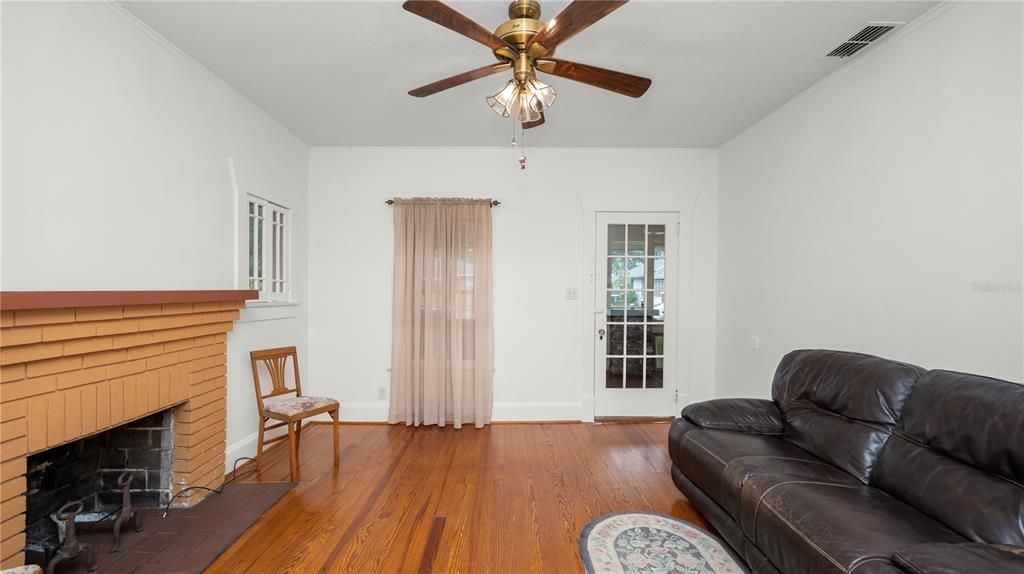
[600,334]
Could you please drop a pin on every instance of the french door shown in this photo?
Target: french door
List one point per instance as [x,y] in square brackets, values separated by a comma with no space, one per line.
[636,314]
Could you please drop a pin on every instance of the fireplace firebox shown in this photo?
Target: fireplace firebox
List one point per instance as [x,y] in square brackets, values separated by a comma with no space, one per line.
[88,470]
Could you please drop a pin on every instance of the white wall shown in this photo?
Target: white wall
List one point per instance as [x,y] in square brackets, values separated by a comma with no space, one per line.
[542,370]
[864,214]
[116,152]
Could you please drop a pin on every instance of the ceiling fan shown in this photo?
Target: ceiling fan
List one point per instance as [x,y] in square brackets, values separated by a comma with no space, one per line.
[525,44]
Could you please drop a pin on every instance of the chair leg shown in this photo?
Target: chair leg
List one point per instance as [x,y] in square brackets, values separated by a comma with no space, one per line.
[298,436]
[259,443]
[293,455]
[334,418]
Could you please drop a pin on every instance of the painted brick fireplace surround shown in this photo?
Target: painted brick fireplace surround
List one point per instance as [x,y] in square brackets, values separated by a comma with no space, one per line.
[74,364]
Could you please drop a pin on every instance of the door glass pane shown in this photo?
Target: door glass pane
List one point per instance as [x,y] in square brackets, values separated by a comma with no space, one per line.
[615,339]
[658,307]
[635,306]
[655,339]
[616,306]
[656,240]
[635,273]
[635,239]
[634,373]
[613,373]
[616,273]
[635,340]
[655,373]
[616,239]
[656,273]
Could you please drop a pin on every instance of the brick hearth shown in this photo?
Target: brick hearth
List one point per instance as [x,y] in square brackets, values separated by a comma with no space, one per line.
[74,371]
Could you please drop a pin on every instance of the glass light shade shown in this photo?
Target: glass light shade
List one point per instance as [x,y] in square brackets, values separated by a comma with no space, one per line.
[542,96]
[501,102]
[522,108]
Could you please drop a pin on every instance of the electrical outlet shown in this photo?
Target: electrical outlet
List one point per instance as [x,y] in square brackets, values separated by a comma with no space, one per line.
[572,294]
[382,393]
[755,343]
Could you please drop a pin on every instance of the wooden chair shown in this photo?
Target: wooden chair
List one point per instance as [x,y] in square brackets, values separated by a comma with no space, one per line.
[288,410]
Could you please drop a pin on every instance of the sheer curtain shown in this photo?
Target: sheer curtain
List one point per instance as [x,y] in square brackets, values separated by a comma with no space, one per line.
[441,351]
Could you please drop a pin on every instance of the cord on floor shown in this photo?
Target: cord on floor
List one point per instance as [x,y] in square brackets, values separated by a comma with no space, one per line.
[219,489]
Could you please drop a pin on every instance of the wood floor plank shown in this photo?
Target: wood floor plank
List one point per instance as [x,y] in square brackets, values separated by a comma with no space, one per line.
[505,498]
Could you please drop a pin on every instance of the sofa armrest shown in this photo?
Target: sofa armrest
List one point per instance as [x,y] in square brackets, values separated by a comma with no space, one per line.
[939,558]
[754,416]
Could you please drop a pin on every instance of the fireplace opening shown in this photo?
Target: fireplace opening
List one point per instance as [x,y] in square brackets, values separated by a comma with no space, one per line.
[88,470]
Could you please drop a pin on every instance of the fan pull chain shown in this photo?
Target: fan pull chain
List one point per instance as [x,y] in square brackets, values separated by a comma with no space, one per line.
[522,138]
[514,132]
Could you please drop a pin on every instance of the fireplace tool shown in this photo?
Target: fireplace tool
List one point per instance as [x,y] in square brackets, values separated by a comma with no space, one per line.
[70,547]
[127,511]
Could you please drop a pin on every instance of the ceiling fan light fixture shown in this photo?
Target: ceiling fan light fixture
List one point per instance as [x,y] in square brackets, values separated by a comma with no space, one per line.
[524,102]
[542,96]
[524,107]
[501,102]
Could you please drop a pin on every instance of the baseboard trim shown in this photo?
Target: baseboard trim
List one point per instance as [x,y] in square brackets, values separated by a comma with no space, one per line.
[377,411]
[244,447]
[623,420]
[536,412]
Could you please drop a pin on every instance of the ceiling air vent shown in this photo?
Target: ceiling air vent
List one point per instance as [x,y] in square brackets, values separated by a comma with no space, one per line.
[870,33]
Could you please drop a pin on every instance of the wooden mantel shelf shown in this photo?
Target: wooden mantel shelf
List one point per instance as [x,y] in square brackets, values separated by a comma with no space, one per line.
[23,300]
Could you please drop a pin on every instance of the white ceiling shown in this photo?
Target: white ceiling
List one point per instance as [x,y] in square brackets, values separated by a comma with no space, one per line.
[338,73]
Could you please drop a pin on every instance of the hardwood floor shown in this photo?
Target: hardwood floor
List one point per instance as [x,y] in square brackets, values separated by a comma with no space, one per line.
[503,499]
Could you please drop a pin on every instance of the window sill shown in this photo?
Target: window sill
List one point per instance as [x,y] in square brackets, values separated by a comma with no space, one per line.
[256,311]
[267,304]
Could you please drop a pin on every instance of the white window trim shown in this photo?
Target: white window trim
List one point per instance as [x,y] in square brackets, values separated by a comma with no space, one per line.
[268,297]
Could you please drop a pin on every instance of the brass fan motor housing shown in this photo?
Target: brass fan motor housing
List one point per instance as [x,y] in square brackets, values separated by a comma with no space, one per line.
[523,24]
[518,31]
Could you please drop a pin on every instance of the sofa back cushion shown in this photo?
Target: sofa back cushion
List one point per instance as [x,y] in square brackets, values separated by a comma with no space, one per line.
[958,455]
[841,406]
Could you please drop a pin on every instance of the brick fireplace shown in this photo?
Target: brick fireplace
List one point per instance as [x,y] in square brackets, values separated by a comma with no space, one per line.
[77,364]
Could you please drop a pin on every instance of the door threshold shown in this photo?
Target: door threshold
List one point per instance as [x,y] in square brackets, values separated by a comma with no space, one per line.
[623,420]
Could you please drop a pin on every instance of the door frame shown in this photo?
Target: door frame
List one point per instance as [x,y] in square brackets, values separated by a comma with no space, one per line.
[679,382]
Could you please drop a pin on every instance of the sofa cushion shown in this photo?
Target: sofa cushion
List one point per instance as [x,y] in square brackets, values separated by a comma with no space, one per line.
[760,481]
[958,456]
[703,456]
[959,558]
[842,406]
[806,528]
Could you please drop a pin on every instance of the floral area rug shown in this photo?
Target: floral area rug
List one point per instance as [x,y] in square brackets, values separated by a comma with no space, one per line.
[648,543]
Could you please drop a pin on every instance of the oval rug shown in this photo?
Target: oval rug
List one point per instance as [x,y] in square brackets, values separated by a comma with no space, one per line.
[649,543]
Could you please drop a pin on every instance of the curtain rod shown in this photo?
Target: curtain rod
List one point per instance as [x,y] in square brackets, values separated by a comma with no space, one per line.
[494,202]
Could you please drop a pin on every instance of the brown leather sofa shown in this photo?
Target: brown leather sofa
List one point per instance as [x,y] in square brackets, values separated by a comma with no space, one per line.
[861,465]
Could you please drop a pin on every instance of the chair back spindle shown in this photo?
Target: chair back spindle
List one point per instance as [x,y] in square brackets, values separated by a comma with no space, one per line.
[276,363]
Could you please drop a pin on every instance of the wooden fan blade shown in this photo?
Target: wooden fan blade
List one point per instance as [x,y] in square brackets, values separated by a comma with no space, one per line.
[619,82]
[528,125]
[458,80]
[576,17]
[442,14]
